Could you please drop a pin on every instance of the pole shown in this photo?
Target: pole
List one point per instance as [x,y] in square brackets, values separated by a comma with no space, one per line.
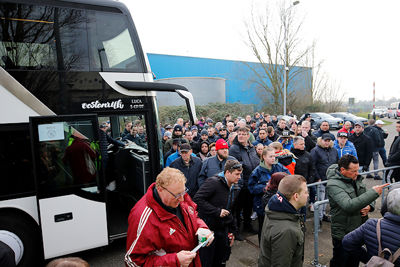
[285,56]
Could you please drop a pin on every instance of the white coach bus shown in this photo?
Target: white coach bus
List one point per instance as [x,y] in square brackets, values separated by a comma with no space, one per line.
[66,68]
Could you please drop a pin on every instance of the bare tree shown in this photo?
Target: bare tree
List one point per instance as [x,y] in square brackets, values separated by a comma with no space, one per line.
[266,37]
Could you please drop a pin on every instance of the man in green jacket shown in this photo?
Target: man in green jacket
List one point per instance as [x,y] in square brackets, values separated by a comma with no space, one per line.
[350,203]
[282,237]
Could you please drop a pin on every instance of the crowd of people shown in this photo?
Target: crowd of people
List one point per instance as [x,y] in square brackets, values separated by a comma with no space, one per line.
[218,176]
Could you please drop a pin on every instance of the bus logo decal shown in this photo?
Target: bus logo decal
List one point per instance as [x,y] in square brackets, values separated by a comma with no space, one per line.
[97,105]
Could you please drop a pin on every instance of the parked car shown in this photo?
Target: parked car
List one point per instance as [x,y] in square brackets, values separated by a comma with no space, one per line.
[379,112]
[345,116]
[318,117]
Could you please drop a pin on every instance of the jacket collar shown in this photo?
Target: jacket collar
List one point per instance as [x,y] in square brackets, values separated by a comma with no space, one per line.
[156,207]
[278,202]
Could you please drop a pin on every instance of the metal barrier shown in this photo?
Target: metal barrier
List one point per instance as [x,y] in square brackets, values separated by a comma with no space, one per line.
[320,202]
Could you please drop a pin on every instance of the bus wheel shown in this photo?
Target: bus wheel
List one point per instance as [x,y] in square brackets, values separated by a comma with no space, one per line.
[23,239]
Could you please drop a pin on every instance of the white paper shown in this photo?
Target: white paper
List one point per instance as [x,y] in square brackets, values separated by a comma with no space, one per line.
[51,132]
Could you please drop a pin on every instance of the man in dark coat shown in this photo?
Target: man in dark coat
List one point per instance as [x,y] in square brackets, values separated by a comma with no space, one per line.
[304,162]
[214,200]
[281,127]
[214,165]
[376,142]
[190,166]
[282,238]
[176,133]
[324,155]
[366,233]
[309,139]
[394,154]
[362,143]
[246,154]
[324,128]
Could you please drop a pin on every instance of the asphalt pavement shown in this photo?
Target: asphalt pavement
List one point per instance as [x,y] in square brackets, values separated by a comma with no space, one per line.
[245,253]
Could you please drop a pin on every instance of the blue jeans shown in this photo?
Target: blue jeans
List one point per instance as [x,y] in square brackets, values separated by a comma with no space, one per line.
[382,153]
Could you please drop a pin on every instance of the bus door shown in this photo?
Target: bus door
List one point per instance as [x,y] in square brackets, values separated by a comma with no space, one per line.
[70,193]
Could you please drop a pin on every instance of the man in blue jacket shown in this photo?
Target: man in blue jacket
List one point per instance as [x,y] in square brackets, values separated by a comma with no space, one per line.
[343,145]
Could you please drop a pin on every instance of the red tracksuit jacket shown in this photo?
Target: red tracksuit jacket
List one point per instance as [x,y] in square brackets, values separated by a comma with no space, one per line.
[155,236]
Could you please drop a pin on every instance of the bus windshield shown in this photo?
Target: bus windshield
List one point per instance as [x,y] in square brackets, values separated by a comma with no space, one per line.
[55,38]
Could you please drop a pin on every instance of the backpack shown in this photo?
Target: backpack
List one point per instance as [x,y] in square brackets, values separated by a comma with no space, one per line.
[380,261]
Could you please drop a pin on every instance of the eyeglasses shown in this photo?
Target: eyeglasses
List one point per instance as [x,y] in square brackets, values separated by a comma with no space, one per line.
[177,196]
[236,166]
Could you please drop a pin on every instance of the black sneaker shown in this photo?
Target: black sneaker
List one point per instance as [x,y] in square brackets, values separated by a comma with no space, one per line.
[377,177]
[369,176]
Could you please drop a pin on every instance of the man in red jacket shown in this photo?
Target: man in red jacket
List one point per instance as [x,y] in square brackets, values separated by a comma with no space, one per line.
[163,225]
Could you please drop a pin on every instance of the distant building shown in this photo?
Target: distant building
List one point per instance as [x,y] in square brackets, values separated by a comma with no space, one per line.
[217,80]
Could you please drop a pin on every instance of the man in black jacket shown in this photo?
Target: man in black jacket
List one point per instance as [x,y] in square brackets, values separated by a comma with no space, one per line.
[362,143]
[376,142]
[246,154]
[394,154]
[309,139]
[190,166]
[304,162]
[214,201]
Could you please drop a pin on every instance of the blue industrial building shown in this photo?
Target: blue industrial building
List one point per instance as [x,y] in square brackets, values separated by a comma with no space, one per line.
[239,87]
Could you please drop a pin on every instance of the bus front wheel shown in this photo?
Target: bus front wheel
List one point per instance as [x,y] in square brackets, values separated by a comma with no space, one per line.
[23,238]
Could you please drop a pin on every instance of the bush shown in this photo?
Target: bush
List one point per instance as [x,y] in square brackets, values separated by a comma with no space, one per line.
[216,111]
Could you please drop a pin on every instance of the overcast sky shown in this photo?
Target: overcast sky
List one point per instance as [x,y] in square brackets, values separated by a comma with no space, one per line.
[358,40]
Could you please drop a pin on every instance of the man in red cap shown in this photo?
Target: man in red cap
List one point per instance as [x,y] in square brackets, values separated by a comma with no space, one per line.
[216,164]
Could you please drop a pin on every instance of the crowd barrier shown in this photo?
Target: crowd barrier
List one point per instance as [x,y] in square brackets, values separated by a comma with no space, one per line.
[320,202]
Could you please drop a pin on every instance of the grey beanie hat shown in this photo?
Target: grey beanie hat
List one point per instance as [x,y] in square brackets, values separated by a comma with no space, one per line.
[393,201]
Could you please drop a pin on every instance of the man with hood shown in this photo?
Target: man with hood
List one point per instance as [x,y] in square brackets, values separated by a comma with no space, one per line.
[176,133]
[343,145]
[324,155]
[350,203]
[282,238]
[246,154]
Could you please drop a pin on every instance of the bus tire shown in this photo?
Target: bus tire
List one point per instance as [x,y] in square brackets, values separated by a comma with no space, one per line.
[29,235]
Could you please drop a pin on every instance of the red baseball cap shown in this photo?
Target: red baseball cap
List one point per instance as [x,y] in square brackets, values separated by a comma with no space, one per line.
[221,144]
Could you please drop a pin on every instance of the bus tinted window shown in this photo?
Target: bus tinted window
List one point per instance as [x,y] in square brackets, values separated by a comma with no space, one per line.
[68,156]
[52,38]
[15,161]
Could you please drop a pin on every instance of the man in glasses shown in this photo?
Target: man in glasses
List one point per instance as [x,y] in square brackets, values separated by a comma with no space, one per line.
[163,225]
[215,199]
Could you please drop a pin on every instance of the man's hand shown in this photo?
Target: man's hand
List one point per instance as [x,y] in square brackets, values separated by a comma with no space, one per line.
[379,188]
[203,232]
[231,239]
[185,257]
[224,213]
[364,211]
[304,134]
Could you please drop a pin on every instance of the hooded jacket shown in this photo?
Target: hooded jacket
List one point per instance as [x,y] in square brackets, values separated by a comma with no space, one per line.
[347,149]
[247,156]
[213,196]
[265,142]
[319,133]
[304,165]
[366,234]
[323,158]
[258,181]
[376,137]
[282,237]
[346,198]
[362,143]
[155,235]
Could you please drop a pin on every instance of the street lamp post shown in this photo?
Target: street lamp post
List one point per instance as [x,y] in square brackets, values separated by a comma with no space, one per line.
[284,58]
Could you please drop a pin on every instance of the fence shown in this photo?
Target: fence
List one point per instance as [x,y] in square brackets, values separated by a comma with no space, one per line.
[320,202]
